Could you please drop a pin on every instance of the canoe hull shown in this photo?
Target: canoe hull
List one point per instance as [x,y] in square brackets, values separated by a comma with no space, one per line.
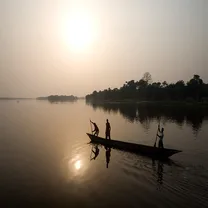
[153,152]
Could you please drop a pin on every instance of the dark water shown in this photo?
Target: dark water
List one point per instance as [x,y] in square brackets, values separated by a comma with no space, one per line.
[45,156]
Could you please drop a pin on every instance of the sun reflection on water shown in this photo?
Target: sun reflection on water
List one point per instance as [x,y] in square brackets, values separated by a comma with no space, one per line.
[77,164]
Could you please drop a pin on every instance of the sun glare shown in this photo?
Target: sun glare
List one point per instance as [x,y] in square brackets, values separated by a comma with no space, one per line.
[79,32]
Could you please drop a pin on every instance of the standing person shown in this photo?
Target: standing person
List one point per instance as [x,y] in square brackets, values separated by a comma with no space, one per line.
[96,129]
[107,130]
[161,131]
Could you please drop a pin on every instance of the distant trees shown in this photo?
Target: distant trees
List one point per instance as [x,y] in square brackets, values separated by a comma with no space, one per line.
[62,98]
[58,98]
[146,90]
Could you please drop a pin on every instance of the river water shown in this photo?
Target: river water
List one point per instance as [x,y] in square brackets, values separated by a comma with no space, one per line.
[46,161]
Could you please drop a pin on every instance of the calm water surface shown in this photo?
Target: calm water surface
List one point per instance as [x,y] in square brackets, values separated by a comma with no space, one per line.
[45,157]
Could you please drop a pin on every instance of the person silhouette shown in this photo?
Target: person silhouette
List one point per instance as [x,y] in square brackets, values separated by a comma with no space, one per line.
[107,130]
[96,129]
[161,136]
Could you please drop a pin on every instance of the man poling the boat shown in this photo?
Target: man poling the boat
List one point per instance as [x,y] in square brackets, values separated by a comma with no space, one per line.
[161,135]
[96,129]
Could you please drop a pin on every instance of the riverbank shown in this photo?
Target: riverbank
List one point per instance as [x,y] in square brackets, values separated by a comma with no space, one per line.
[153,103]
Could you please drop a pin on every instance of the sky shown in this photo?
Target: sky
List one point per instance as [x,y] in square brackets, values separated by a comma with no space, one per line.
[74,47]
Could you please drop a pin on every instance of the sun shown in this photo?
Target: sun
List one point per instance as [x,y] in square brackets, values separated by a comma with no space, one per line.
[79,32]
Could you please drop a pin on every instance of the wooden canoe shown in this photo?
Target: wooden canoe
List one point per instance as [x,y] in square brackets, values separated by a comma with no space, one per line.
[153,152]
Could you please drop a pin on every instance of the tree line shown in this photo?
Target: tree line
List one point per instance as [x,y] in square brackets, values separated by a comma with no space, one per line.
[147,90]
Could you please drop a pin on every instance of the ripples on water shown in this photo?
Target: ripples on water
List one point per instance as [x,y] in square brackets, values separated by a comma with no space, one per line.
[45,160]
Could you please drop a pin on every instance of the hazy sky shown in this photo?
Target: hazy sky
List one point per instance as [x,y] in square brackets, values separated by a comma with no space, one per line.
[73,47]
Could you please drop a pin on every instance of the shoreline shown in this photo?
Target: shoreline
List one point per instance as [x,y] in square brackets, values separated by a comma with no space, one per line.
[163,103]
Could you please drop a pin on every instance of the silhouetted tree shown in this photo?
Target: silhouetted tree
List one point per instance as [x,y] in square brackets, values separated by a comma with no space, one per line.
[147,77]
[195,87]
[164,84]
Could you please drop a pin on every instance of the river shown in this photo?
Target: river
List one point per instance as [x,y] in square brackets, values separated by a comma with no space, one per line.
[46,161]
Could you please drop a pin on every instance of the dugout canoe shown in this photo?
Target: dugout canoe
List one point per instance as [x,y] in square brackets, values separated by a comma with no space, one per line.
[150,151]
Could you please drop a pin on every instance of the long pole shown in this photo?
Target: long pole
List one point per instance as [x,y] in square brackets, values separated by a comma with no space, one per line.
[90,126]
[91,152]
[91,144]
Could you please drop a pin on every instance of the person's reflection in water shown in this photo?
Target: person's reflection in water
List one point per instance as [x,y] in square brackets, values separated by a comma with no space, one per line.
[153,165]
[96,152]
[159,171]
[107,154]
